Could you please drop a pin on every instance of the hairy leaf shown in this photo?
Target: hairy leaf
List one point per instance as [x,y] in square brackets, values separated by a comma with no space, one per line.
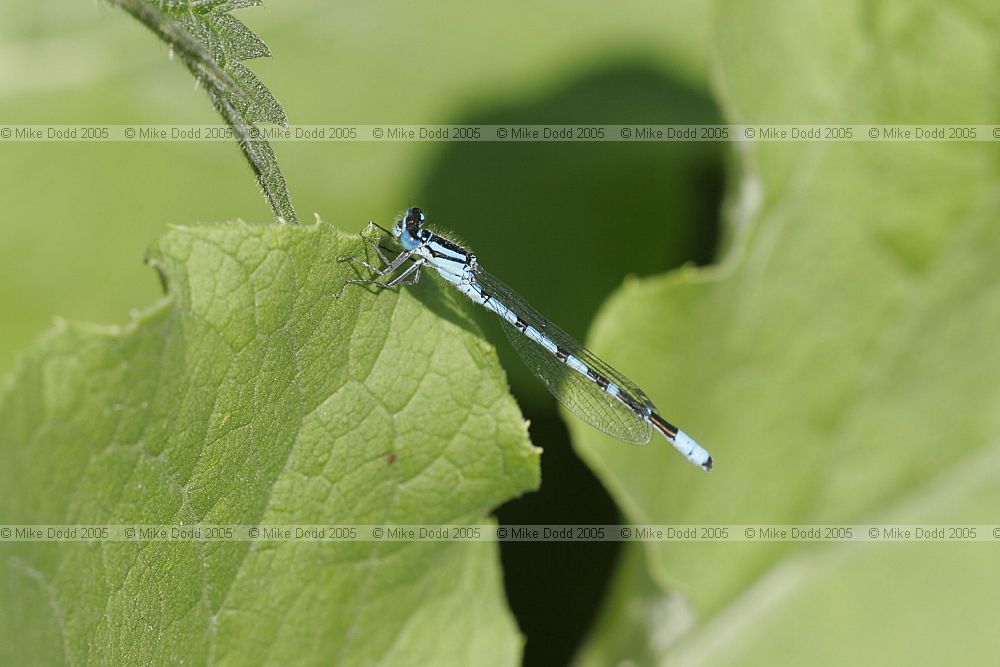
[212,43]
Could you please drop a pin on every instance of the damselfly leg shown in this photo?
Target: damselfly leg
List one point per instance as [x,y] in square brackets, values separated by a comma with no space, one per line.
[398,281]
[388,266]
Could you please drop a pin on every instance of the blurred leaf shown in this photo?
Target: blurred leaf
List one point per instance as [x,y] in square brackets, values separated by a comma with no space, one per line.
[250,395]
[211,43]
[840,363]
[638,619]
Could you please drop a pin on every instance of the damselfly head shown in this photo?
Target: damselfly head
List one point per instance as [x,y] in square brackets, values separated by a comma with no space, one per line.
[407,229]
[413,218]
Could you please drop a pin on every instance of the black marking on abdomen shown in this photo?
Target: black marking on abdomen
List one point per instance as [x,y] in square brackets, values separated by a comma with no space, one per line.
[623,396]
[663,425]
[520,324]
[601,381]
[630,402]
[561,354]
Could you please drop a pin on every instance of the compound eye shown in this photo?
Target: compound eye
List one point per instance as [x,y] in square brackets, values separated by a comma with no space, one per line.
[413,219]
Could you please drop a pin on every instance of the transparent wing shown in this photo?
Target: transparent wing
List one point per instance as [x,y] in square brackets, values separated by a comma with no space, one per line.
[582,396]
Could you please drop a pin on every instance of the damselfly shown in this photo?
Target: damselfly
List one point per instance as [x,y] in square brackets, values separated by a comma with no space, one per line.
[590,388]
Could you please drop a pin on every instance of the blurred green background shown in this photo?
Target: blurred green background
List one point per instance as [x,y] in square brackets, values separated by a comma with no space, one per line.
[563,223]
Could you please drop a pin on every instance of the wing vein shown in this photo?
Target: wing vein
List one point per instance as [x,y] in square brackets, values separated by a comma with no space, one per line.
[577,392]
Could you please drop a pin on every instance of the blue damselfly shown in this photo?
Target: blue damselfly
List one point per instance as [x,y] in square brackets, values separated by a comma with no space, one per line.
[587,386]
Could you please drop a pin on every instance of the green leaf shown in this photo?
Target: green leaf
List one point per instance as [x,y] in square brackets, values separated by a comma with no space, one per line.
[840,363]
[211,43]
[250,395]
